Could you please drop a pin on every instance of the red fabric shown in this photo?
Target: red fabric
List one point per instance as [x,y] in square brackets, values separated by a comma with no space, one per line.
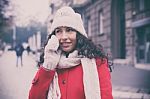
[70,82]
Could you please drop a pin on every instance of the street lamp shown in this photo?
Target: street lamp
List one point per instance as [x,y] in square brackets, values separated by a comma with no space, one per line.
[14,36]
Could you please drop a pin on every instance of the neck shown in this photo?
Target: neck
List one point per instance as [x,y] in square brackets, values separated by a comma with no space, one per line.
[67,54]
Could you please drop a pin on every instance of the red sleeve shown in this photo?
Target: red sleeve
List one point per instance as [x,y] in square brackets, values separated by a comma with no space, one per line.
[105,79]
[40,84]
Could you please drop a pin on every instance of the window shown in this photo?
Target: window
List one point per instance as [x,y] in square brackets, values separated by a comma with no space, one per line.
[101,22]
[141,5]
[146,4]
[89,27]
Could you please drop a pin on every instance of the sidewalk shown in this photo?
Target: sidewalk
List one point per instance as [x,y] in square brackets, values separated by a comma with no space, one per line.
[120,92]
[130,83]
[16,81]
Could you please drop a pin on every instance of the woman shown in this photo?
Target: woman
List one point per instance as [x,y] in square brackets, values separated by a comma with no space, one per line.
[73,67]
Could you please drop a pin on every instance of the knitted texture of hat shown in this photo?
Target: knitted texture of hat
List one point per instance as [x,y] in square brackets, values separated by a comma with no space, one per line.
[66,16]
[65,11]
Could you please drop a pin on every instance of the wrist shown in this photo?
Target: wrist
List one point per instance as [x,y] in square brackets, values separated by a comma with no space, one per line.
[46,69]
[48,66]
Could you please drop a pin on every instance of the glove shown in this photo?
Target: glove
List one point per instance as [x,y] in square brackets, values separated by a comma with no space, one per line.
[51,55]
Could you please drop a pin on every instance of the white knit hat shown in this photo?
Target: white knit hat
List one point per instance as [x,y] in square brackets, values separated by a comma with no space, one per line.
[66,16]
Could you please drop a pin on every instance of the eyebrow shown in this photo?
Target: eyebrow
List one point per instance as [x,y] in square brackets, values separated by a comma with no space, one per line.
[62,27]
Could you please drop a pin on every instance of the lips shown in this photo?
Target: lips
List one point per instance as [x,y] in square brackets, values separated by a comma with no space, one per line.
[66,44]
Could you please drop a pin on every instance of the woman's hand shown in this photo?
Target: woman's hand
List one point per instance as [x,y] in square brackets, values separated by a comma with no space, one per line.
[53,44]
[51,55]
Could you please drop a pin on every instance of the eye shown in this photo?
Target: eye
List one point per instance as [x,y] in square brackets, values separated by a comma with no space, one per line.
[68,29]
[57,31]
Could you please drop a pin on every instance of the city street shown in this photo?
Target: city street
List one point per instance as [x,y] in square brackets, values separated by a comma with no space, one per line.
[128,82]
[15,81]
[120,28]
[130,76]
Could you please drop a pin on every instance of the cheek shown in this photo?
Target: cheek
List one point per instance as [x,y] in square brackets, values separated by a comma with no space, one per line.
[74,40]
[74,45]
[59,37]
[73,36]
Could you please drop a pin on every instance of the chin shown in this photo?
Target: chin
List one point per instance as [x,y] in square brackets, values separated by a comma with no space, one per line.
[67,50]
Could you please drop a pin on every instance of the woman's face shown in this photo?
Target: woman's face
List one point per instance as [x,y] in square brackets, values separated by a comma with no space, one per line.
[67,38]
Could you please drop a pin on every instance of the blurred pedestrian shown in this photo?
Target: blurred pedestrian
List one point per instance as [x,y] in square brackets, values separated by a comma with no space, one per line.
[73,67]
[19,51]
[28,49]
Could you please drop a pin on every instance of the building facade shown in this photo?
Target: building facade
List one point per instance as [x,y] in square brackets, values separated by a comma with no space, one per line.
[121,26]
[141,29]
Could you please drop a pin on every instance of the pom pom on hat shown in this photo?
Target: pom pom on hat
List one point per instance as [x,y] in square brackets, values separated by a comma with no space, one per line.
[66,16]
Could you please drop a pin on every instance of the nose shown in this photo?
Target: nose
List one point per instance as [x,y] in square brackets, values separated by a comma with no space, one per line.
[64,35]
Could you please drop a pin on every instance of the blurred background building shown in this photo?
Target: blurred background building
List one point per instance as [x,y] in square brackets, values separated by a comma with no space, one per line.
[121,26]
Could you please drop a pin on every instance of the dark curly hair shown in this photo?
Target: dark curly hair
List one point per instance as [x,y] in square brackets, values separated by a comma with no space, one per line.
[88,49]
[85,48]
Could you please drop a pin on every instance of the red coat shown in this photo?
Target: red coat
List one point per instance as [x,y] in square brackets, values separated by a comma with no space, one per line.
[70,82]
